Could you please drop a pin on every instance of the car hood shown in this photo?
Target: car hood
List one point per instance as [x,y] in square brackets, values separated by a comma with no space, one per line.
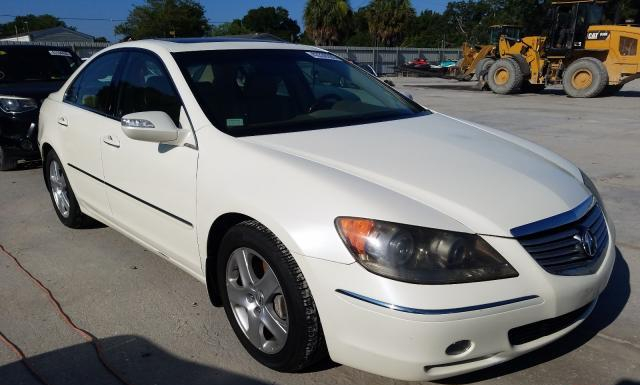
[487,182]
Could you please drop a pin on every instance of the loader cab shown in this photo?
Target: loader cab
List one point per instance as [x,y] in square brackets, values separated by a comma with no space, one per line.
[570,22]
[511,32]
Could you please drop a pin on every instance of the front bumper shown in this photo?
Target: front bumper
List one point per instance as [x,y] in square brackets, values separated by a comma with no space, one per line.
[409,345]
[19,133]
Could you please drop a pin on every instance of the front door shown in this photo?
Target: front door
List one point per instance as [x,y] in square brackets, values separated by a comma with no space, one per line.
[152,190]
[87,116]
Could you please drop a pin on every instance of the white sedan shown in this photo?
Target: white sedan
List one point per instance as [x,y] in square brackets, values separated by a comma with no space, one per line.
[324,210]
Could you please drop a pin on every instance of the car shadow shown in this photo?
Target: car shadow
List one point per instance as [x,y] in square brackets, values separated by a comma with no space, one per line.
[135,358]
[610,304]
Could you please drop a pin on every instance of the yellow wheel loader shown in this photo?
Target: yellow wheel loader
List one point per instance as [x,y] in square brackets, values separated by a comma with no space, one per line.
[589,59]
[476,58]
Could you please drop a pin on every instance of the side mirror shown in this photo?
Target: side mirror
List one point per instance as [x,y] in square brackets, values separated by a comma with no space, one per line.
[149,126]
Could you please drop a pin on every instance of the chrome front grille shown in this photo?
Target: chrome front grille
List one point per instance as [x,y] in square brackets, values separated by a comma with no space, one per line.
[566,249]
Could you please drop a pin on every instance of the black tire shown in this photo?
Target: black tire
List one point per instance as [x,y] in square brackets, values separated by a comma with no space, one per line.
[304,344]
[75,219]
[6,162]
[482,67]
[505,76]
[585,78]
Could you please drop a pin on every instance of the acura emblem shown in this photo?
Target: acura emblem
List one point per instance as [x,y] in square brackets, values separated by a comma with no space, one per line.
[588,243]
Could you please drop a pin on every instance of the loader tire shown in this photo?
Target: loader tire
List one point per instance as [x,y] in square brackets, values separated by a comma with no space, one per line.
[585,78]
[482,68]
[505,76]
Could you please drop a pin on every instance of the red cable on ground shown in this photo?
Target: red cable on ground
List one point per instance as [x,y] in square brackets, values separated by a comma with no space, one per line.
[22,358]
[83,333]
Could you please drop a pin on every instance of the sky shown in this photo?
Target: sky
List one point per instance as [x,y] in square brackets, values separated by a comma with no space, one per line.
[113,12]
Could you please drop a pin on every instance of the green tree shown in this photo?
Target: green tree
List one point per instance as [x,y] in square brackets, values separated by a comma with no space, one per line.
[390,20]
[31,23]
[430,29]
[165,18]
[234,27]
[326,20]
[358,32]
[275,21]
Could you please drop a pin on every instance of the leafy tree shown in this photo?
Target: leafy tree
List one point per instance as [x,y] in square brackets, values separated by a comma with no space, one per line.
[358,33]
[326,20]
[234,27]
[389,20]
[165,18]
[429,30]
[31,23]
[275,21]
[101,39]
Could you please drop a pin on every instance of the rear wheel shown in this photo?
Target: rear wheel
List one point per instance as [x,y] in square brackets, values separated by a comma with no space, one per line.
[585,78]
[482,68]
[267,300]
[505,76]
[6,162]
[62,196]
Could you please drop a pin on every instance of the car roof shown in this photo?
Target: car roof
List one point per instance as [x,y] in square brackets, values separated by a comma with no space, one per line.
[207,44]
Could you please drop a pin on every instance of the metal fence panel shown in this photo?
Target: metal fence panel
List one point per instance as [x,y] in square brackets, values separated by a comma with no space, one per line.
[385,60]
[83,49]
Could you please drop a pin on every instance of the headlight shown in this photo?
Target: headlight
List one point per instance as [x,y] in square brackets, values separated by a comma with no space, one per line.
[421,255]
[16,104]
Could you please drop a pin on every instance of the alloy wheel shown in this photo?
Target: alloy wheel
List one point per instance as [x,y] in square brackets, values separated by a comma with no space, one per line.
[59,190]
[257,300]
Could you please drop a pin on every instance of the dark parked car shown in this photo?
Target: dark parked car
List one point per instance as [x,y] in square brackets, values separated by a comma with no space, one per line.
[28,74]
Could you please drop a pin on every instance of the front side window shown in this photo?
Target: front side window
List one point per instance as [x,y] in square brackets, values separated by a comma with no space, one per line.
[94,88]
[146,86]
[258,92]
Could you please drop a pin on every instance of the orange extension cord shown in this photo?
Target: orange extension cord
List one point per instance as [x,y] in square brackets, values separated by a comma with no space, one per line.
[58,308]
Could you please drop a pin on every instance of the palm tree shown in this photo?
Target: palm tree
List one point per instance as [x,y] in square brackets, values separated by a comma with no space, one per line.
[325,20]
[389,20]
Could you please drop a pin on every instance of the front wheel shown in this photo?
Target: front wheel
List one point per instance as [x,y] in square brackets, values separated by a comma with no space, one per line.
[585,78]
[505,76]
[267,300]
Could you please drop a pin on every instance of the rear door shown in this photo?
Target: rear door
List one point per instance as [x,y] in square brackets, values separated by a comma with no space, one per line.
[87,115]
[152,190]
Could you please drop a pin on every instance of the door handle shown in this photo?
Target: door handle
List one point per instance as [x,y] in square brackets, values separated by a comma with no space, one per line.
[111,141]
[63,121]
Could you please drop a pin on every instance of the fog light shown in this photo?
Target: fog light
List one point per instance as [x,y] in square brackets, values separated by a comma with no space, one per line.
[459,347]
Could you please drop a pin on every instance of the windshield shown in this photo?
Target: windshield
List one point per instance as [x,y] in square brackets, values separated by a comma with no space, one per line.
[258,92]
[19,64]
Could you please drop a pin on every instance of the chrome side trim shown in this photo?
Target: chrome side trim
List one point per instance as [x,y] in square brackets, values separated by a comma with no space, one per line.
[434,311]
[556,220]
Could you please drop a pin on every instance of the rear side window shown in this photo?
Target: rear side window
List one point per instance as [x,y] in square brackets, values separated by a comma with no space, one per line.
[94,88]
[628,46]
[146,86]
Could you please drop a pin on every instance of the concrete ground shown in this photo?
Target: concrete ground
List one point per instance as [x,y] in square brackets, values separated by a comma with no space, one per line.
[156,324]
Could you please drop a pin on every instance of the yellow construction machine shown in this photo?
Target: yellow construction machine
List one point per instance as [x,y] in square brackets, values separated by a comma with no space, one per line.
[586,57]
[476,58]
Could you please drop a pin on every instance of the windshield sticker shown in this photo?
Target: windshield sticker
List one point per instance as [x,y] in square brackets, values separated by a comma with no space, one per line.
[60,53]
[238,122]
[3,53]
[322,55]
